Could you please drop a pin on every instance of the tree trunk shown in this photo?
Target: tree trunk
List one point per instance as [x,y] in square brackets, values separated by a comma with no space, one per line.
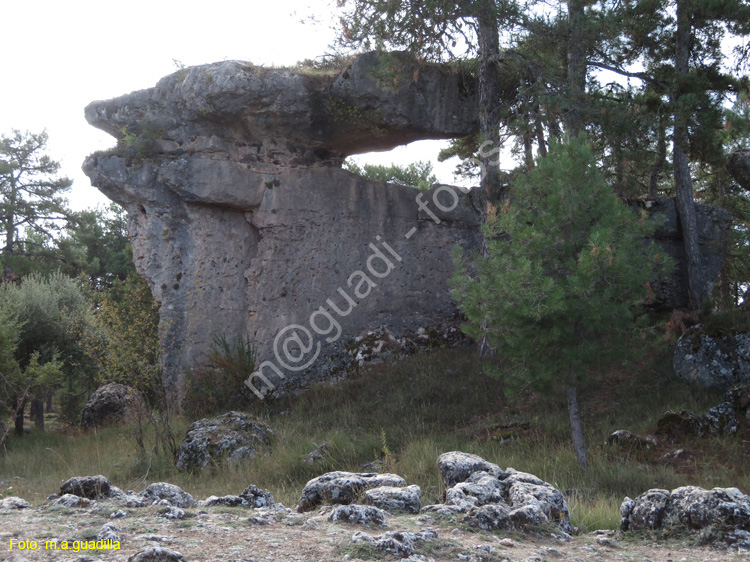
[18,411]
[682,179]
[37,413]
[70,399]
[576,425]
[577,67]
[488,36]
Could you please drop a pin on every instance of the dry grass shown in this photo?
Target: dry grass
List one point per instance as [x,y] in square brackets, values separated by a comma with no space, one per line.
[405,414]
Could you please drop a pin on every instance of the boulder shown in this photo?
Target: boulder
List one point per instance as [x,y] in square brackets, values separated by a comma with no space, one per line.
[71,500]
[624,439]
[493,498]
[14,502]
[113,404]
[677,425]
[457,466]
[108,532]
[490,517]
[723,419]
[394,498]
[342,488]
[157,554]
[359,514]
[318,455]
[92,487]
[725,512]
[226,501]
[226,439]
[712,361]
[400,543]
[252,496]
[163,491]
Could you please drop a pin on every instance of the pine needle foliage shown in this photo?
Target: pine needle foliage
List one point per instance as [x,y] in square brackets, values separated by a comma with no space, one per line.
[566,271]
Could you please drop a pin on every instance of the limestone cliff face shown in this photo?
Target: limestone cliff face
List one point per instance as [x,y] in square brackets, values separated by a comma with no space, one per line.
[243,223]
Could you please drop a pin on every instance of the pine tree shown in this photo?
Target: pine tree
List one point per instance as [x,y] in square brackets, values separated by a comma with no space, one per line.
[566,269]
[32,202]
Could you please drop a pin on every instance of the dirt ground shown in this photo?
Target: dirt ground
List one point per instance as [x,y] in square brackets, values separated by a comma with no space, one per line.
[246,535]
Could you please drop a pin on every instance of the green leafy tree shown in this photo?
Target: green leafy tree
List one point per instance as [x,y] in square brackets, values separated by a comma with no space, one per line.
[566,268]
[18,386]
[32,198]
[56,324]
[129,350]
[418,174]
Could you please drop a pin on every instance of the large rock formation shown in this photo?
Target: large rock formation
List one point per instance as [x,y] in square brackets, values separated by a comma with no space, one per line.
[243,222]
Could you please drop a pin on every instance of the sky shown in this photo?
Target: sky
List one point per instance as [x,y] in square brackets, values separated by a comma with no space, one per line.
[59,56]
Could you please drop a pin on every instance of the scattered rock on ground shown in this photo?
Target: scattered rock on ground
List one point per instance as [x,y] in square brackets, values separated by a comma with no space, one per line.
[342,488]
[227,501]
[719,420]
[226,439]
[723,514]
[317,455]
[174,513]
[400,543]
[14,502]
[157,554]
[71,500]
[360,514]
[169,492]
[518,499]
[108,532]
[113,404]
[395,498]
[626,440]
[252,496]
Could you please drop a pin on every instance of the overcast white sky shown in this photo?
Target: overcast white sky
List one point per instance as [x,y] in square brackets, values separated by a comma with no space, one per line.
[57,56]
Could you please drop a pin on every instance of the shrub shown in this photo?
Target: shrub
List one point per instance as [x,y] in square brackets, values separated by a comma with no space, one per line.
[218,383]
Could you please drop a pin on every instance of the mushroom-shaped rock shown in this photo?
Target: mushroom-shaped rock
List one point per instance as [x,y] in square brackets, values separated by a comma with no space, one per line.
[342,488]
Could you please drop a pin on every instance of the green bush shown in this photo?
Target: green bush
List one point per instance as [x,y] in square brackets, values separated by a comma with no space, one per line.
[128,352]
